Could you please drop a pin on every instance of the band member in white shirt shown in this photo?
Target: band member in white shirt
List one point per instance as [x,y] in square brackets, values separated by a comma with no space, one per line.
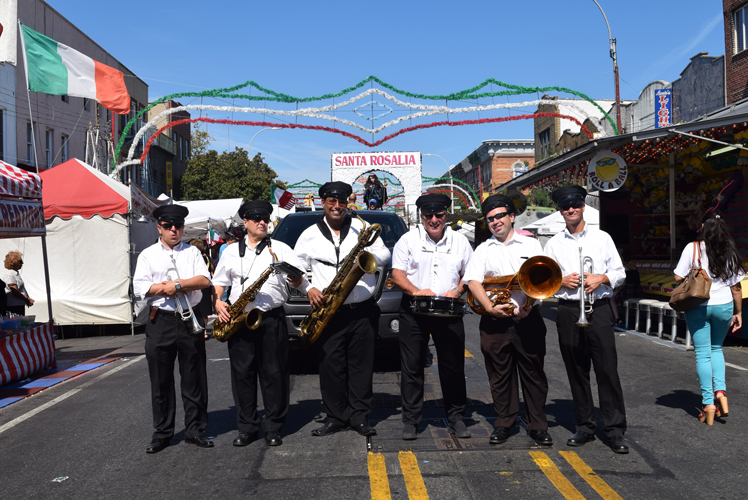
[262,352]
[594,345]
[430,261]
[512,336]
[170,270]
[345,349]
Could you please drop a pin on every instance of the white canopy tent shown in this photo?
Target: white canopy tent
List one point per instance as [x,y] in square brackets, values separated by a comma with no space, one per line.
[209,214]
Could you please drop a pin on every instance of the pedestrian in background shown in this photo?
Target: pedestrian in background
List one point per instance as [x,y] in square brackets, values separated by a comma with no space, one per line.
[374,189]
[710,322]
[15,289]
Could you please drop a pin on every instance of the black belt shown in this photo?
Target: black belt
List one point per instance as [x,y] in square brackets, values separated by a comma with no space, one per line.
[575,303]
[355,305]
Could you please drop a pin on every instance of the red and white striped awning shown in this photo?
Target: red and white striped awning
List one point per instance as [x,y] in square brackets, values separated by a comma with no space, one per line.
[18,182]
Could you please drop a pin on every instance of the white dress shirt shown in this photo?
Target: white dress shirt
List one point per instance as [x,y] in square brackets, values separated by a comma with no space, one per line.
[438,266]
[719,292]
[155,265]
[13,277]
[494,258]
[319,253]
[564,249]
[232,269]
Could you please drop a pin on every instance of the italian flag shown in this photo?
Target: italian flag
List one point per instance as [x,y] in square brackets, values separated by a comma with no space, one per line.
[282,198]
[54,68]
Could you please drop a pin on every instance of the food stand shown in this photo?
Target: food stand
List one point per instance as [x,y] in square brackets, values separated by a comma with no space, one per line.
[25,347]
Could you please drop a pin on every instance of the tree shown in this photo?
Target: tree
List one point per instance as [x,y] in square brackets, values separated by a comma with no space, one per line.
[541,196]
[213,176]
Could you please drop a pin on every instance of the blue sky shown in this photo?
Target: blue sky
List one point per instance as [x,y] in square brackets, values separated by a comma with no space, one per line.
[306,48]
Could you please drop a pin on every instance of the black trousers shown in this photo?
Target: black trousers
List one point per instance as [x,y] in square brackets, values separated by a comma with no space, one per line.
[593,345]
[515,353]
[261,353]
[449,340]
[167,338]
[345,352]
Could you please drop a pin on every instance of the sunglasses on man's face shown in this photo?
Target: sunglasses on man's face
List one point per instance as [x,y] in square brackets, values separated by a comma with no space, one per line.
[169,225]
[498,216]
[336,201]
[258,218]
[438,216]
[573,204]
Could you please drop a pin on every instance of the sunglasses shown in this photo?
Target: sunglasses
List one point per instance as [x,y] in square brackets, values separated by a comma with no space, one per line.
[573,204]
[498,216]
[258,218]
[169,225]
[438,216]
[336,201]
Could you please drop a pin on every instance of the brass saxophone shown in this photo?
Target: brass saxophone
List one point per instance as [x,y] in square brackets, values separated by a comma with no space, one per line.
[252,319]
[356,264]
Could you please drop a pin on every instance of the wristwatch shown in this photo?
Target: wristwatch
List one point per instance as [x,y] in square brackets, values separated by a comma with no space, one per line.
[177,286]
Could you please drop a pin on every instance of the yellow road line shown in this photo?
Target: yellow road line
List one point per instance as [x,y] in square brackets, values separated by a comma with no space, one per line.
[559,480]
[467,354]
[589,475]
[380,485]
[412,476]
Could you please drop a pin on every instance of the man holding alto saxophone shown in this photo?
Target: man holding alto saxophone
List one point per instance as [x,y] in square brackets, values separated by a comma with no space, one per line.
[260,349]
[168,275]
[585,332]
[345,348]
[512,336]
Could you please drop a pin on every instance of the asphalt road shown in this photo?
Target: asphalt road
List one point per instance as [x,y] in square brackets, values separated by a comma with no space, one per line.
[93,431]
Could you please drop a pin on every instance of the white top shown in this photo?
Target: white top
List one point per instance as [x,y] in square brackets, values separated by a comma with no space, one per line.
[719,292]
[155,265]
[597,244]
[319,254]
[11,276]
[494,258]
[436,266]
[232,269]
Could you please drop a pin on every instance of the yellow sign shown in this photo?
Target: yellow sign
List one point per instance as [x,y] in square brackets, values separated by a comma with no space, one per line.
[607,171]
[169,177]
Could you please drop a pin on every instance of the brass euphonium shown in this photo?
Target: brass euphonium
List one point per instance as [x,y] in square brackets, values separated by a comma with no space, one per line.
[539,277]
[356,264]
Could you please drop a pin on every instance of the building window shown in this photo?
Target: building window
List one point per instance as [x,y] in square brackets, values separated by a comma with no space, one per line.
[64,98]
[179,145]
[64,148]
[739,30]
[2,135]
[85,104]
[545,142]
[29,144]
[48,147]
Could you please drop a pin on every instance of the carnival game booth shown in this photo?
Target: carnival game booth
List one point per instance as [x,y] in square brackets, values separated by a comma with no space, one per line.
[26,346]
[96,227]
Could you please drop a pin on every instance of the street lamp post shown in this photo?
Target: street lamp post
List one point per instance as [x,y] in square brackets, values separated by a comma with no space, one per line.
[451,179]
[261,130]
[613,56]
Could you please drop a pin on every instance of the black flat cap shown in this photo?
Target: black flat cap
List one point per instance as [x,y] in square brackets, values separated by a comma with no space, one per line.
[433,202]
[496,201]
[335,189]
[171,213]
[251,208]
[568,194]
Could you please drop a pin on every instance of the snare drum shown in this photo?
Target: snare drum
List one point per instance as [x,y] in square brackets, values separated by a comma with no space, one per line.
[438,306]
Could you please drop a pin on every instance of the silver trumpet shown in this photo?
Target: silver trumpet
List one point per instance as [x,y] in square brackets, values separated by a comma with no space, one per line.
[585,302]
[188,314]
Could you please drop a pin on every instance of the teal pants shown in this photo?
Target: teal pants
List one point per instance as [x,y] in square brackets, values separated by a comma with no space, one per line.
[708,326]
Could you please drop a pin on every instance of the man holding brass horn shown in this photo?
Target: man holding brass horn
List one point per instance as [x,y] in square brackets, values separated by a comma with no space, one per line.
[259,349]
[345,348]
[169,275]
[428,263]
[512,335]
[585,320]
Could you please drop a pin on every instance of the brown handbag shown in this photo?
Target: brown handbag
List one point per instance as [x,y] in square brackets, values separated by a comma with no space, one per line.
[694,289]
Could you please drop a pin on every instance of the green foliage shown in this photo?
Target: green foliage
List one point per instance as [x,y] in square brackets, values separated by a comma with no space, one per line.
[541,196]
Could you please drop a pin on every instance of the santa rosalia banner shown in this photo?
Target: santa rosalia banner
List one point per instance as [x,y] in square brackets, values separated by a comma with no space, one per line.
[21,218]
[378,159]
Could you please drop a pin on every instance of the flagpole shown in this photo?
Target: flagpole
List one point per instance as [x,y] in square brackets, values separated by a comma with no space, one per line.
[28,96]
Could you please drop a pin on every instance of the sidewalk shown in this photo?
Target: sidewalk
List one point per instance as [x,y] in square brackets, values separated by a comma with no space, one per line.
[74,357]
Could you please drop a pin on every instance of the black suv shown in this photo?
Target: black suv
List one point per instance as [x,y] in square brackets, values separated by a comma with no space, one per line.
[387,294]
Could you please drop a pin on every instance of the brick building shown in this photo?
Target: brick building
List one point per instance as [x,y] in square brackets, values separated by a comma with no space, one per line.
[736,55]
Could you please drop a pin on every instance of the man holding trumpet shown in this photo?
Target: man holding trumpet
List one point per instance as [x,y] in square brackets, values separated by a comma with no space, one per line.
[168,275]
[512,336]
[585,331]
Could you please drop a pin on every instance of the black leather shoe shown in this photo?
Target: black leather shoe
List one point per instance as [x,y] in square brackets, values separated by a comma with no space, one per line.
[580,439]
[245,438]
[273,439]
[328,428]
[410,432]
[541,437]
[157,445]
[199,441]
[618,445]
[459,429]
[365,430]
[500,435]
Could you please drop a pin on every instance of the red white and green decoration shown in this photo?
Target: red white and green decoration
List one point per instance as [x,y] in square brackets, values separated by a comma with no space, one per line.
[383,101]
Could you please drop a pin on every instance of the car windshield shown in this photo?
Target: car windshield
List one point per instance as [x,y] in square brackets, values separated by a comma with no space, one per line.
[291,227]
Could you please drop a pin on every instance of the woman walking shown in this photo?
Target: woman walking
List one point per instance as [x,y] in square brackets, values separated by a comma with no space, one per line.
[710,322]
[374,189]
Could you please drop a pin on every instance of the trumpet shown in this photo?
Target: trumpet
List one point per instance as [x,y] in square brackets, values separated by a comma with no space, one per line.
[188,314]
[585,309]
